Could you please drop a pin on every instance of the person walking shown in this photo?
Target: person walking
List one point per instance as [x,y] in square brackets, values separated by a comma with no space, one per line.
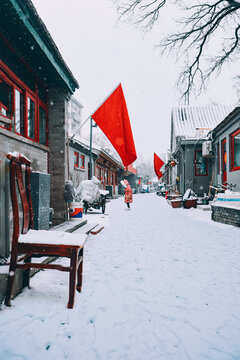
[128,193]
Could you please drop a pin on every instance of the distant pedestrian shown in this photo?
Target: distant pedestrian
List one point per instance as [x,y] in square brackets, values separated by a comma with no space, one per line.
[128,193]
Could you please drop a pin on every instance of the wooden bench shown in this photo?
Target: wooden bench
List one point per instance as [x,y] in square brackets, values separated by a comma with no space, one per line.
[43,243]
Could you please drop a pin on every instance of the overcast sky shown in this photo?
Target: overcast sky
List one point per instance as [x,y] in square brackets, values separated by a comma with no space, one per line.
[102,53]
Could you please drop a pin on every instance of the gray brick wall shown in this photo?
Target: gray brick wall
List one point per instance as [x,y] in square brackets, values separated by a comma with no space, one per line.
[38,154]
[40,191]
[226,215]
[58,155]
[10,142]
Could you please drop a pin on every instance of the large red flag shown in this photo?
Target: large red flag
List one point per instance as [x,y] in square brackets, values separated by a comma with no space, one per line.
[160,175]
[158,163]
[112,118]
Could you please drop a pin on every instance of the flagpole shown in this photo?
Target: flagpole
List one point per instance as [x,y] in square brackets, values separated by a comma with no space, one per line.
[90,151]
[80,127]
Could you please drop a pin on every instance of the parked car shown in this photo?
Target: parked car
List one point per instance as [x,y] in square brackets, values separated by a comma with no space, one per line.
[145,189]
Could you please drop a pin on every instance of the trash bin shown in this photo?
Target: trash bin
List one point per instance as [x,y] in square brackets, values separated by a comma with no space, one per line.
[76,210]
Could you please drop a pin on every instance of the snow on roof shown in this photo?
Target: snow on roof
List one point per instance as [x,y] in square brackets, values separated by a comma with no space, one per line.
[189,120]
[83,142]
[96,149]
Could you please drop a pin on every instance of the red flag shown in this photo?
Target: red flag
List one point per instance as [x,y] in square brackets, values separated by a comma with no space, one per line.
[139,182]
[160,175]
[112,118]
[158,163]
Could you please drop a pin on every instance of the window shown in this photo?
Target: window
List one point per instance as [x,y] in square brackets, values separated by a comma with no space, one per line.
[31,118]
[218,158]
[201,164]
[5,99]
[76,159]
[224,160]
[19,114]
[106,177]
[235,150]
[23,105]
[82,161]
[99,173]
[42,126]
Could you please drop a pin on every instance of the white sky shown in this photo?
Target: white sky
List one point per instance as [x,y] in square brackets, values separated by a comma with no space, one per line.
[101,54]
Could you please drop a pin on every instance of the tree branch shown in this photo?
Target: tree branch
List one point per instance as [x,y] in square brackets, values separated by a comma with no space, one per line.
[203,20]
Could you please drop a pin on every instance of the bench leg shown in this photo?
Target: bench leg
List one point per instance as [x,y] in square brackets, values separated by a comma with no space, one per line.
[11,276]
[72,278]
[26,280]
[80,271]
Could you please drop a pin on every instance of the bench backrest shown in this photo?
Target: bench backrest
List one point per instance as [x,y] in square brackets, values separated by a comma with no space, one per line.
[20,165]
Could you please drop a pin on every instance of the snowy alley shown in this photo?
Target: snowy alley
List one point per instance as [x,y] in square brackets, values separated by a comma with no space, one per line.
[158,283]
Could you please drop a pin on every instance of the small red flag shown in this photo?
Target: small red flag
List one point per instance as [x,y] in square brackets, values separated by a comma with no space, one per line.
[139,182]
[112,118]
[158,163]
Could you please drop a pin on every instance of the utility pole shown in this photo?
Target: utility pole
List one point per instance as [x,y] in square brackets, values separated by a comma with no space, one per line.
[90,150]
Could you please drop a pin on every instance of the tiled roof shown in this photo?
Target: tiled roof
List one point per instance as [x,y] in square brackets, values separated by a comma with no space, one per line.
[194,121]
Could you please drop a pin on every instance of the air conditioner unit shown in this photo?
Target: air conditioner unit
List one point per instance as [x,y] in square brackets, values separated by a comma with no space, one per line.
[207,148]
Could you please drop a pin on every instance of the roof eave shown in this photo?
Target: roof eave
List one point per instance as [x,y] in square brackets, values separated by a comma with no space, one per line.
[227,118]
[51,51]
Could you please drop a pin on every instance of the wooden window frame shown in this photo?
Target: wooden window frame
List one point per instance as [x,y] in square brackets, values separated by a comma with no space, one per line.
[236,168]
[99,173]
[219,157]
[195,163]
[14,123]
[5,108]
[82,157]
[14,82]
[36,132]
[224,173]
[106,177]
[8,125]
[76,156]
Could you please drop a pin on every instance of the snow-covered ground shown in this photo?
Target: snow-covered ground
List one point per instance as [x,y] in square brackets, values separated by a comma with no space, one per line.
[159,283]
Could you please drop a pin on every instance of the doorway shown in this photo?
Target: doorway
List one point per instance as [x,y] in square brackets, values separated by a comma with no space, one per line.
[224,161]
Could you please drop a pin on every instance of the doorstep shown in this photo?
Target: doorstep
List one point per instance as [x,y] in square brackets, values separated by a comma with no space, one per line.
[204,207]
[69,225]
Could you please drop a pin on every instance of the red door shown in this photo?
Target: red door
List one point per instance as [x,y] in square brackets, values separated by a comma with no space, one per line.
[224,162]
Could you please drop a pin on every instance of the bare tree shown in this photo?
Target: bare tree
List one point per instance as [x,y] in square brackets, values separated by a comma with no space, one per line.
[207,35]
[145,168]
[100,139]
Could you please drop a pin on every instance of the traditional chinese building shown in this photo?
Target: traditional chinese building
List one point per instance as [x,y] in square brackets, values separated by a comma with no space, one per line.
[35,85]
[190,128]
[109,171]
